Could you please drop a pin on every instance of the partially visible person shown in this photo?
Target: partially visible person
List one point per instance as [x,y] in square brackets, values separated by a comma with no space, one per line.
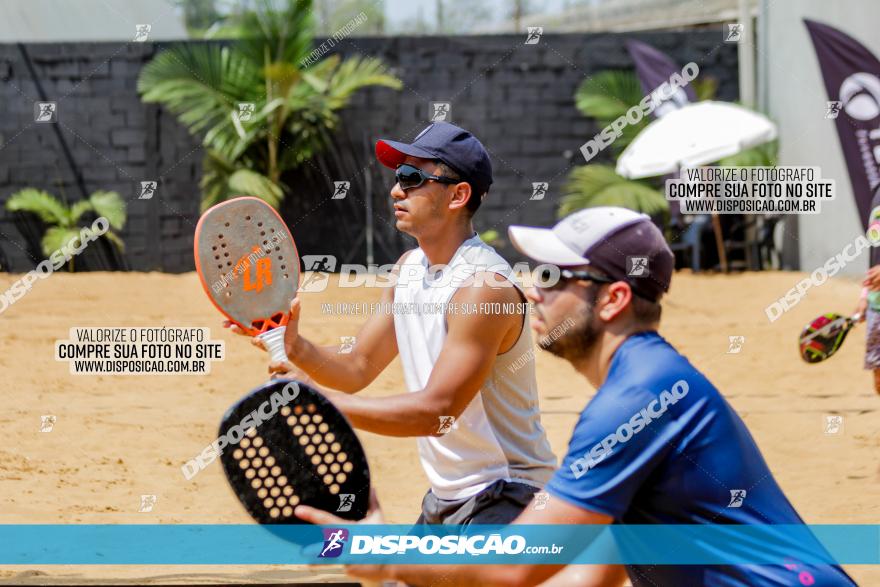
[868,307]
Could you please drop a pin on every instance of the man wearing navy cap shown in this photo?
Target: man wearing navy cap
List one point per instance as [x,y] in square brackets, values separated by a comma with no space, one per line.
[471,402]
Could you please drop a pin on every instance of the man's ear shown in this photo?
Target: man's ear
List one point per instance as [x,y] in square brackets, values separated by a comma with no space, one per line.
[617,297]
[461,194]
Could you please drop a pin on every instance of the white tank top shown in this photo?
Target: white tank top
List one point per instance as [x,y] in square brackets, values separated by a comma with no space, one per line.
[499,434]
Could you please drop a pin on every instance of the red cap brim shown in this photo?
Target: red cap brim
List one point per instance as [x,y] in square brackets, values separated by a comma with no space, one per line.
[391,153]
[388,155]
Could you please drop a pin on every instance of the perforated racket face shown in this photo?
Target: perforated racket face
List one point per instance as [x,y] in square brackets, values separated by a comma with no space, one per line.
[247,262]
[822,337]
[306,453]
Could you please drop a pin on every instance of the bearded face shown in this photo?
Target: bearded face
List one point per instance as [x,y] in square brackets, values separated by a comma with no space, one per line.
[570,333]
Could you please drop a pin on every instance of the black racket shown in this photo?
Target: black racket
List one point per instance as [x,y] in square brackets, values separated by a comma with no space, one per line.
[292,447]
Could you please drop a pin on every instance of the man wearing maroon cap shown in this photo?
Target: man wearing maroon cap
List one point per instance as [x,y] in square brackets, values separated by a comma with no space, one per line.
[657,444]
[470,401]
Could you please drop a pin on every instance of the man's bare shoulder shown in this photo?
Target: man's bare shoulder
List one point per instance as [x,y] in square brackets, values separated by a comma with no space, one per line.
[489,286]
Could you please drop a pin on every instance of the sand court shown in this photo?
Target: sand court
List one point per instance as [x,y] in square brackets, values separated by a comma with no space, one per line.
[116,438]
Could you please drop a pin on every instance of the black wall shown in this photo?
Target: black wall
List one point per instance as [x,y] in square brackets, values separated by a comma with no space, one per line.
[516,98]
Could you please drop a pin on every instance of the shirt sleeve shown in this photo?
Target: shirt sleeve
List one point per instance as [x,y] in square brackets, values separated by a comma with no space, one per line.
[620,439]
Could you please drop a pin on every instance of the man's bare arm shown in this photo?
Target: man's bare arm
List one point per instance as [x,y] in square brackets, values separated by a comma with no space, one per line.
[374,349]
[469,351]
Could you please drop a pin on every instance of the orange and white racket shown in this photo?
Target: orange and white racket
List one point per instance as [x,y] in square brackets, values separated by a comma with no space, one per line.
[249,266]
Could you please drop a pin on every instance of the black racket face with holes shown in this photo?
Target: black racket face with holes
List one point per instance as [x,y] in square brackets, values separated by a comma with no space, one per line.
[305,453]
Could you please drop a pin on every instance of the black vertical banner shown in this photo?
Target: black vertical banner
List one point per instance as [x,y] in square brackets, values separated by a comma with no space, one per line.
[852,80]
[653,68]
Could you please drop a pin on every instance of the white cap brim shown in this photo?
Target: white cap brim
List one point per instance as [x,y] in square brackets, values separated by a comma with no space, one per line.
[542,244]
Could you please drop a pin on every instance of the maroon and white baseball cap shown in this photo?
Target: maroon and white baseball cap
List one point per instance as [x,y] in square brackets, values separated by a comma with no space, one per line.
[623,244]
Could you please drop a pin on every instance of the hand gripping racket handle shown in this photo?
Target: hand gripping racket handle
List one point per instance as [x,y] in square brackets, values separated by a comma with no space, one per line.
[274,341]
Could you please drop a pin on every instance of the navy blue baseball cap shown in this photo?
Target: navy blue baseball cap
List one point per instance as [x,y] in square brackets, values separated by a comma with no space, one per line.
[452,145]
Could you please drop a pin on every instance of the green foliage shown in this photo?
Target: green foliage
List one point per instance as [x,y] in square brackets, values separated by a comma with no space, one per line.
[705,88]
[491,237]
[41,203]
[296,101]
[607,96]
[63,221]
[599,185]
[109,205]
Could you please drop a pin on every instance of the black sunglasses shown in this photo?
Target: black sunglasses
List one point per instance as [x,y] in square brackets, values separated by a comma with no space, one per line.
[547,275]
[410,176]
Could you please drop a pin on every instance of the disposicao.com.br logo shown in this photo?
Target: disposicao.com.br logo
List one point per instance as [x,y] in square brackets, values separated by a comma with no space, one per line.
[393,544]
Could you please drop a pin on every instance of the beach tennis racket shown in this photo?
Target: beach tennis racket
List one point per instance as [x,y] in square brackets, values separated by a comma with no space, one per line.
[249,266]
[822,337]
[305,453]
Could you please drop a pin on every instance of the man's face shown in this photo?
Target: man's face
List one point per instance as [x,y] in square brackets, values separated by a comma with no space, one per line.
[419,209]
[564,320]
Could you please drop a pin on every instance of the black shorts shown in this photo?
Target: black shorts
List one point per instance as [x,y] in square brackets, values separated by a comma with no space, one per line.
[499,503]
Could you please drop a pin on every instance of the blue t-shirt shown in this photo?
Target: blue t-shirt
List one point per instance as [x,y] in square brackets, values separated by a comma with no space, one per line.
[658,444]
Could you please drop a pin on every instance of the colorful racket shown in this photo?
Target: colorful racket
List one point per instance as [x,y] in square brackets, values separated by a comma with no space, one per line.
[305,453]
[249,266]
[822,337]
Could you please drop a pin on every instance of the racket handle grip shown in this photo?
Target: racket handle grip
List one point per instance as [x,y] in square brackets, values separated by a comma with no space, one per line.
[274,341]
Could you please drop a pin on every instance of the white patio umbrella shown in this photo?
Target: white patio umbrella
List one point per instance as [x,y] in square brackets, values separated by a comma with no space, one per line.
[695,134]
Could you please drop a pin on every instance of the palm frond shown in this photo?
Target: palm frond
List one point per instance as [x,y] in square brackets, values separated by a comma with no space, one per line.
[295,101]
[79,208]
[202,85]
[277,31]
[246,182]
[222,180]
[215,179]
[317,75]
[627,135]
[608,94]
[58,237]
[599,185]
[43,204]
[111,206]
[355,73]
[327,87]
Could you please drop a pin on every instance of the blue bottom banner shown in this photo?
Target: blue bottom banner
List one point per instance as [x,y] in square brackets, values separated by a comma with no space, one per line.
[231,544]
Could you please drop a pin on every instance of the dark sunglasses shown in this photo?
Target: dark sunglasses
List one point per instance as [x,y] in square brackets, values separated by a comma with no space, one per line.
[546,275]
[410,176]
